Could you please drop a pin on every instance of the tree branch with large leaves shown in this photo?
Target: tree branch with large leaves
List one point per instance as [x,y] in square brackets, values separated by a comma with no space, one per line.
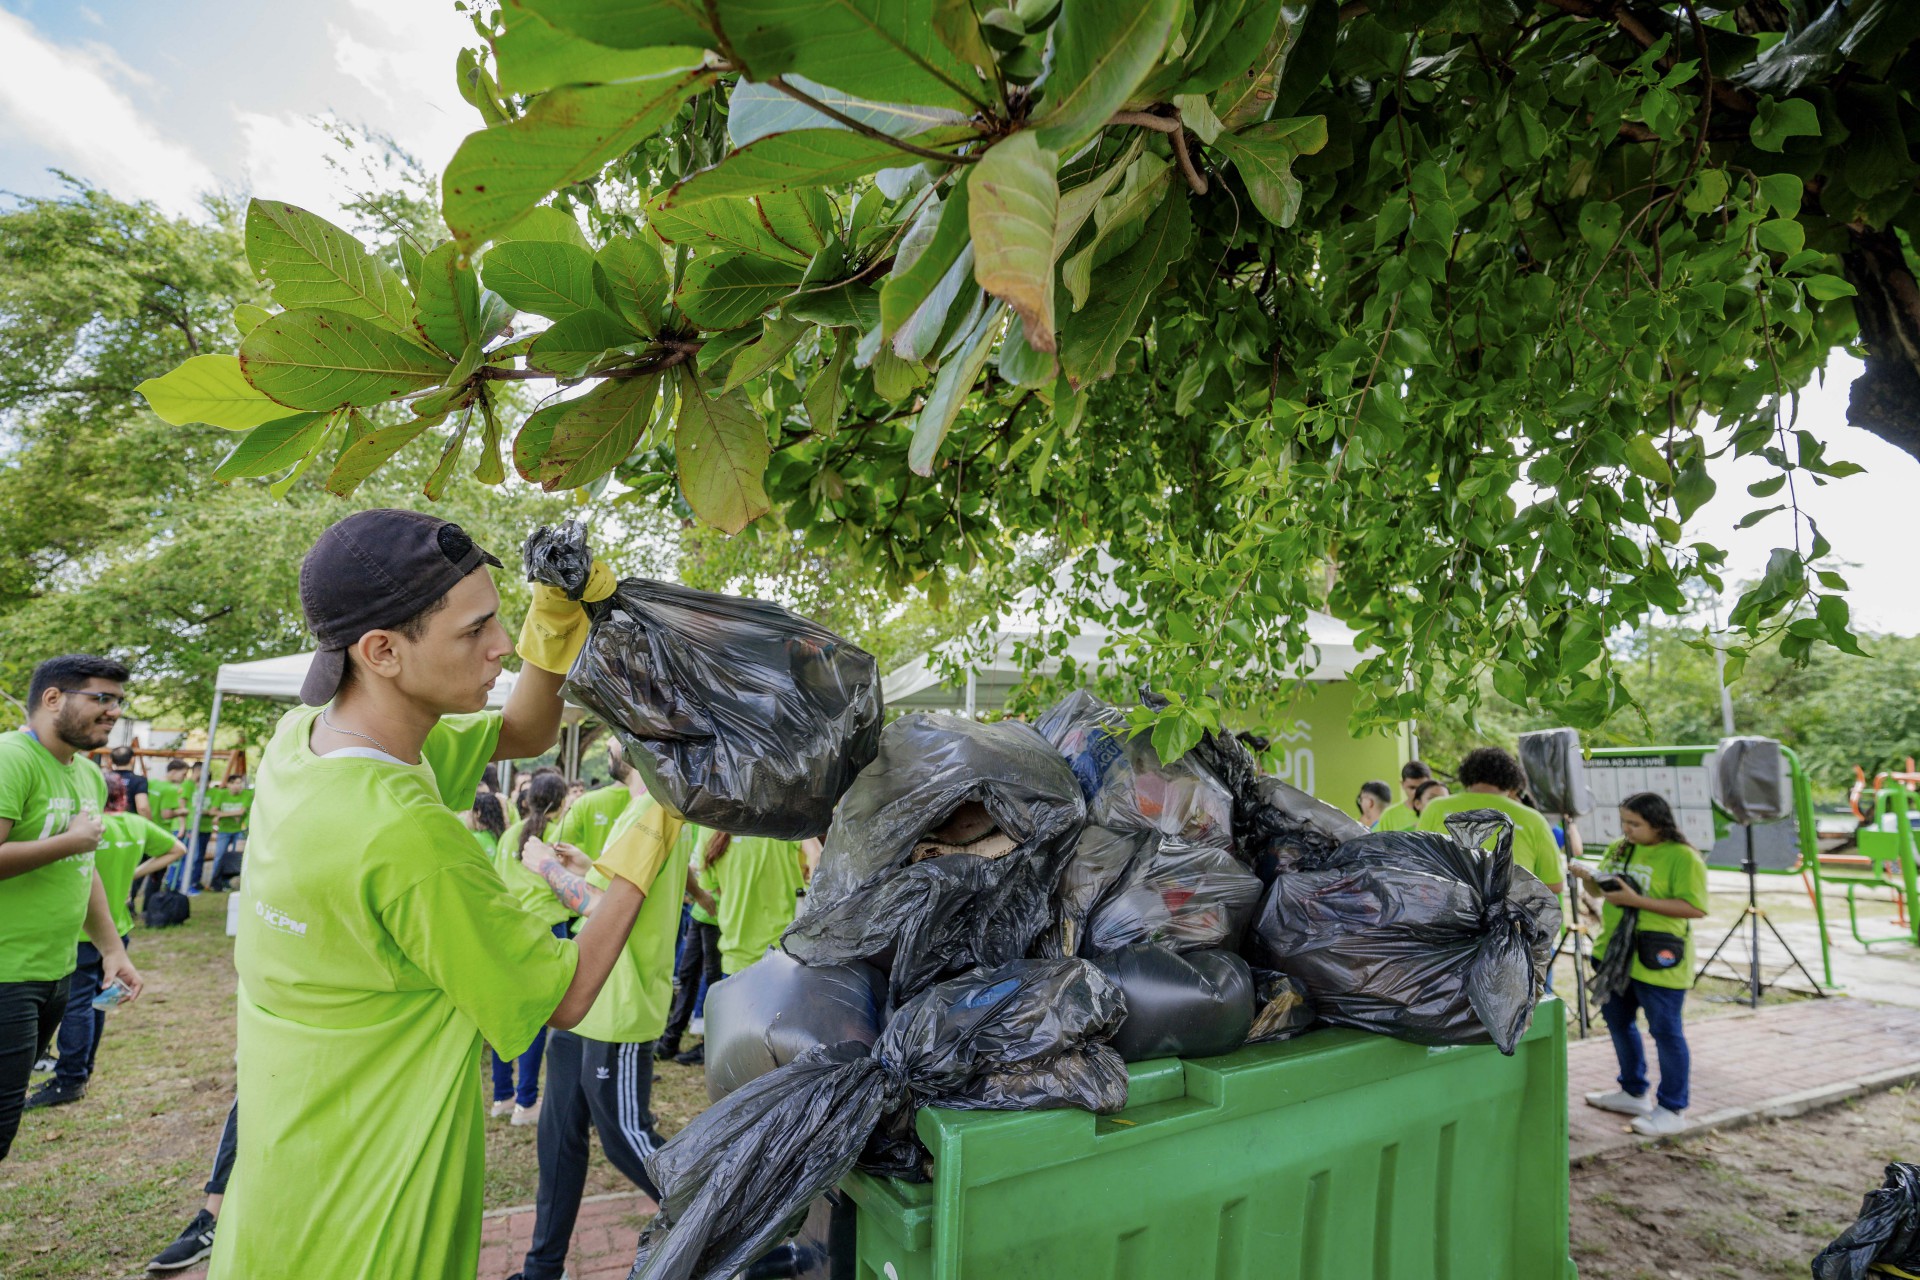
[1444,293]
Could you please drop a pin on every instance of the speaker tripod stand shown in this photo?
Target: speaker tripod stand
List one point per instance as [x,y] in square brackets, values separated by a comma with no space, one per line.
[1752,916]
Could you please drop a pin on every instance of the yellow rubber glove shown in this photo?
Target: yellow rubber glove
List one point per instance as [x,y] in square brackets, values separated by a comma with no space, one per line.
[642,848]
[556,627]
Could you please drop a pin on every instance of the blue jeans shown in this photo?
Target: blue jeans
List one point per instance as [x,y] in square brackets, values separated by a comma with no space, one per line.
[185,874]
[526,1090]
[82,1024]
[1662,1007]
[226,857]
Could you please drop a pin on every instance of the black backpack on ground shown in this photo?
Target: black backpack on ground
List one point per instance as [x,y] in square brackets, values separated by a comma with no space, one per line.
[166,907]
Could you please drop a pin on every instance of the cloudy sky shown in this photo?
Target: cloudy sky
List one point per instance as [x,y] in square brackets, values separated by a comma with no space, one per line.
[166,101]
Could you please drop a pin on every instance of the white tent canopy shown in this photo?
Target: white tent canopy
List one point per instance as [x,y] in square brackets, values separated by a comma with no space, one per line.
[1031,621]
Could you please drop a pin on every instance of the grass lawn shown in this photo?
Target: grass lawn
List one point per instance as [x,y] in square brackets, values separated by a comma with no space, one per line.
[97,1188]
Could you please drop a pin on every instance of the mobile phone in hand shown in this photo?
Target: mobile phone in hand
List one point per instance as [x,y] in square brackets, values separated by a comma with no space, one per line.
[1610,884]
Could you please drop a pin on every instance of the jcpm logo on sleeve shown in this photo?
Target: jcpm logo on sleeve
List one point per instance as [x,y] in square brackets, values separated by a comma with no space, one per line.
[274,918]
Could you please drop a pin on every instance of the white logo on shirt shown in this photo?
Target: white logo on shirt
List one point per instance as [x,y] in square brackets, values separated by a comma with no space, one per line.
[274,918]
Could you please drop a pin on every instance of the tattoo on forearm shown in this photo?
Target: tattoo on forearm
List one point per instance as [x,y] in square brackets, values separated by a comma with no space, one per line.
[574,893]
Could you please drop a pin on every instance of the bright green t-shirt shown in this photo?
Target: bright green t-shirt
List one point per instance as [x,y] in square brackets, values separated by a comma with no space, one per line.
[488,841]
[697,858]
[225,799]
[1658,871]
[632,1007]
[1533,844]
[589,821]
[376,949]
[1397,817]
[41,911]
[759,880]
[126,841]
[162,796]
[207,805]
[532,892]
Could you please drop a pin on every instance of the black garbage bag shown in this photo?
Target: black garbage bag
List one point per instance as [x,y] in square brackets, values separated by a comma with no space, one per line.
[1420,936]
[1281,1007]
[1192,1005]
[943,853]
[776,1009]
[1887,1231]
[740,715]
[1275,825]
[1127,786]
[1187,896]
[1023,1036]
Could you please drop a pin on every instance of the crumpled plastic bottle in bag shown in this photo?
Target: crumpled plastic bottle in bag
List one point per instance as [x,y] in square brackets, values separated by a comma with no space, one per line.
[943,853]
[741,715]
[1421,936]
[1190,897]
[1023,1036]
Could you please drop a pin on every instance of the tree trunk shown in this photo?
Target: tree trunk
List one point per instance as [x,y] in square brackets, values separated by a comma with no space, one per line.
[1886,398]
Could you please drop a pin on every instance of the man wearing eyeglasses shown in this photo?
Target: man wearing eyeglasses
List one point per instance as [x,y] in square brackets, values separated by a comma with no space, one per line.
[51,801]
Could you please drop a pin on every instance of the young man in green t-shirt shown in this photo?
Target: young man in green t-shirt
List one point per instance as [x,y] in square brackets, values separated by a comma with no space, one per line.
[230,807]
[51,800]
[1400,816]
[130,847]
[1491,779]
[377,948]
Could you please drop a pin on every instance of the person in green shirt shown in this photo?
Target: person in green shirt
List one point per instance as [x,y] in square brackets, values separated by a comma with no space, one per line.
[516,1081]
[696,966]
[1374,799]
[230,807]
[1491,779]
[168,797]
[589,819]
[131,847]
[376,947]
[487,821]
[1653,872]
[51,802]
[199,836]
[1402,816]
[756,884]
[600,1072]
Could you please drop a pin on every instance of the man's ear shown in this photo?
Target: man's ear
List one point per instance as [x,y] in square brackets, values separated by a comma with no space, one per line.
[377,653]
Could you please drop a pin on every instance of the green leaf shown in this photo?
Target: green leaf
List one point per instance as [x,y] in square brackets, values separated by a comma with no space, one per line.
[272,447]
[1015,199]
[722,451]
[1175,733]
[950,390]
[567,135]
[1248,99]
[1101,53]
[1078,203]
[1709,191]
[726,290]
[542,276]
[436,486]
[533,55]
[1020,364]
[826,397]
[211,389]
[958,26]
[246,316]
[1197,114]
[313,263]
[741,224]
[314,358]
[489,470]
[582,339]
[598,431]
[1142,191]
[756,111]
[1264,155]
[1644,459]
[1774,122]
[367,454]
[777,337]
[454,310]
[800,159]
[1091,339]
[626,24]
[886,50]
[637,279]
[534,439]
[1753,518]
[927,254]
[1782,235]
[547,223]
[895,379]
[1828,288]
[1781,192]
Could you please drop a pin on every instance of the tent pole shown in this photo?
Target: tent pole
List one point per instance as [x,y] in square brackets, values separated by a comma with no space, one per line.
[193,832]
[971,677]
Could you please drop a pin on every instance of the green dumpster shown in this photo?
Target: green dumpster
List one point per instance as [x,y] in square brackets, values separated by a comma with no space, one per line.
[1335,1156]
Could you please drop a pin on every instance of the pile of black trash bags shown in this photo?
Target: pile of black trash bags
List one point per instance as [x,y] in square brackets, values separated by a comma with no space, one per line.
[1885,1239]
[1004,914]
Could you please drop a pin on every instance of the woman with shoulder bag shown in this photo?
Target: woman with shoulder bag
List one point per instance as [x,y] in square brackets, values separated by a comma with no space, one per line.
[1652,883]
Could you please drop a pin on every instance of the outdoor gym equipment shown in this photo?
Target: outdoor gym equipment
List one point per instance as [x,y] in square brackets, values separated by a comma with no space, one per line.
[1886,857]
[1753,784]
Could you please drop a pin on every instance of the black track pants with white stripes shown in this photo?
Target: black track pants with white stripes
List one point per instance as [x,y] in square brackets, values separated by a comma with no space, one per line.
[609,1086]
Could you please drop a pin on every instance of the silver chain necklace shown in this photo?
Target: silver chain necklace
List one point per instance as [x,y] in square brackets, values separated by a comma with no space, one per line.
[328,721]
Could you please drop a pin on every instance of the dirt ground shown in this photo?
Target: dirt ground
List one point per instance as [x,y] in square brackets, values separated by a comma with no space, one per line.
[1748,1203]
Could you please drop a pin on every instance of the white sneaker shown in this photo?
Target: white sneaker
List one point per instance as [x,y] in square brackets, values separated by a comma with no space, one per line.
[1623,1102]
[526,1115]
[698,1027]
[1660,1123]
[504,1107]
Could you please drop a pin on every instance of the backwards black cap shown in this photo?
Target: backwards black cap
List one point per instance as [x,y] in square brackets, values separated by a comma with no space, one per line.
[376,569]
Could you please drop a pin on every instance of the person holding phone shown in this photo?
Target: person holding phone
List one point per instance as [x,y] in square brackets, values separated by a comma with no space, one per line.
[1655,882]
